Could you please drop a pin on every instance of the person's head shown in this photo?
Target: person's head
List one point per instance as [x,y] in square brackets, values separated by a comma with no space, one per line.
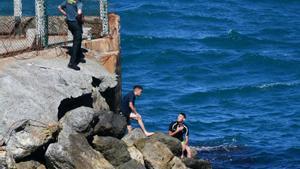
[181,117]
[138,89]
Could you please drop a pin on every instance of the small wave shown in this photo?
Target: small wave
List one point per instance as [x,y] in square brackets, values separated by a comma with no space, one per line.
[199,96]
[205,19]
[154,39]
[257,61]
[279,84]
[234,39]
[219,148]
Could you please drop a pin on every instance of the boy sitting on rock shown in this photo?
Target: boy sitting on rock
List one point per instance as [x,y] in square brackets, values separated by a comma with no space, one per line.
[180,130]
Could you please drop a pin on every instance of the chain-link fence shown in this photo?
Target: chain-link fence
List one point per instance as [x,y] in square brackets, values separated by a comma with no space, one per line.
[16,34]
[24,33]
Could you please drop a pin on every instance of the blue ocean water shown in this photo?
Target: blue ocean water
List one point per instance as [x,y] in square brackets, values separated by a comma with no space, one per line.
[232,66]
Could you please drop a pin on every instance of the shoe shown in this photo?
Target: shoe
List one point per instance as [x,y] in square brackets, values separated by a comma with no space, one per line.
[82,60]
[75,67]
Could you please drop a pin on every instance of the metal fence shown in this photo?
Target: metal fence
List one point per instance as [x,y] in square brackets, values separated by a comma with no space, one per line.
[27,33]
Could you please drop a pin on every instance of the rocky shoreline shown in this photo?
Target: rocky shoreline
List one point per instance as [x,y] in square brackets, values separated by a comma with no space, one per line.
[55,118]
[74,147]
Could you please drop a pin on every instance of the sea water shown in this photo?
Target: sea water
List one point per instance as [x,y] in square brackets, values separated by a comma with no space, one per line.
[232,66]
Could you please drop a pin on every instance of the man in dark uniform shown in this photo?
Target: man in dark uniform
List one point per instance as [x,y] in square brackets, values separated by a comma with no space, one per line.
[72,9]
[129,111]
[180,130]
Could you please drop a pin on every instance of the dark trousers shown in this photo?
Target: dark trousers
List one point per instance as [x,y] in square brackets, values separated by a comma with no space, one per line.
[76,29]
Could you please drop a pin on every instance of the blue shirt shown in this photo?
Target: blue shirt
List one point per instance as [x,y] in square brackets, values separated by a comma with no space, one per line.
[71,7]
[130,97]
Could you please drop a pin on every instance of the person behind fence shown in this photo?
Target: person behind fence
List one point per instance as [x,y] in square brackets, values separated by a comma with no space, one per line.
[72,9]
[129,111]
[180,130]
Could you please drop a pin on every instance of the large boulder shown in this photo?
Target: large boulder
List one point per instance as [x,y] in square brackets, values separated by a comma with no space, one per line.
[74,152]
[28,136]
[132,164]
[136,154]
[80,120]
[110,124]
[6,160]
[30,165]
[114,150]
[156,154]
[196,163]
[33,86]
[133,136]
[173,143]
[176,163]
[194,152]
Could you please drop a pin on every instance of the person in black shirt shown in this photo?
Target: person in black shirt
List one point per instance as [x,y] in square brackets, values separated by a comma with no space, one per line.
[129,111]
[180,130]
[72,9]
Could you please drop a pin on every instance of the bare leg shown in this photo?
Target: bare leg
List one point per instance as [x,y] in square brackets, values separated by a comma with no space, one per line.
[141,123]
[183,146]
[188,150]
[129,128]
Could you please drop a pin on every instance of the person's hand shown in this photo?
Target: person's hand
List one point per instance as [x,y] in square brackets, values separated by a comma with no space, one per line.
[80,18]
[180,128]
[138,115]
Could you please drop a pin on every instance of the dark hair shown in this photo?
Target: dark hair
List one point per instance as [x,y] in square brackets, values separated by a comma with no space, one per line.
[183,114]
[138,87]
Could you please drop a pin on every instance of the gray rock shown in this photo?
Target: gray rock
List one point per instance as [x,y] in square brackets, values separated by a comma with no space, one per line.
[136,154]
[110,124]
[27,137]
[194,152]
[74,152]
[196,163]
[133,136]
[2,141]
[156,154]
[114,150]
[80,120]
[33,87]
[173,144]
[6,160]
[30,165]
[176,163]
[3,164]
[132,164]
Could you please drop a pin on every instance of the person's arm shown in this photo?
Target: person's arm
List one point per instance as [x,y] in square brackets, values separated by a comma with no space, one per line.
[133,109]
[171,133]
[187,132]
[62,7]
[79,8]
[175,132]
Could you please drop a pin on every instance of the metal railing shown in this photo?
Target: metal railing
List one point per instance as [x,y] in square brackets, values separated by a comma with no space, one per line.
[27,33]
